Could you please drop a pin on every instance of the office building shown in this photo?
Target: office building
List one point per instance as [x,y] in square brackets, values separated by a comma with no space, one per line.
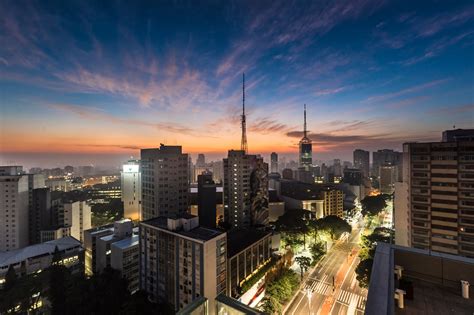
[206,201]
[412,281]
[248,251]
[387,157]
[165,181]
[131,190]
[54,233]
[305,147]
[321,199]
[387,178]
[34,258]
[77,216]
[245,189]
[14,208]
[362,161]
[274,163]
[181,261]
[439,208]
[353,176]
[287,173]
[458,135]
[217,169]
[91,236]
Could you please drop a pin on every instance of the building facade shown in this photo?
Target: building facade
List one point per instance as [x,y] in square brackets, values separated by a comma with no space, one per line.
[124,257]
[164,181]
[77,216]
[131,190]
[274,162]
[14,208]
[207,201]
[181,261]
[245,189]
[439,180]
[362,161]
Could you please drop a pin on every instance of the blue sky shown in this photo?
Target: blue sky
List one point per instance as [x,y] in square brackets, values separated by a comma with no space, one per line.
[91,83]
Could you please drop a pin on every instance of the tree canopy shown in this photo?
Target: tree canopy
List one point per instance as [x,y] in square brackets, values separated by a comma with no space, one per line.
[373,205]
[334,225]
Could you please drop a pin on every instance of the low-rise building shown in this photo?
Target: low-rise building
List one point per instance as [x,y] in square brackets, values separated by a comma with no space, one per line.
[38,257]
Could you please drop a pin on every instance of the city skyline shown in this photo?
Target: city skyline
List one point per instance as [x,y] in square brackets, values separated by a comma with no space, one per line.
[92,84]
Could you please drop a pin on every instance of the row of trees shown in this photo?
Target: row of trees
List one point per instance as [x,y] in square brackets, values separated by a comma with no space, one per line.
[296,225]
[367,253]
[279,290]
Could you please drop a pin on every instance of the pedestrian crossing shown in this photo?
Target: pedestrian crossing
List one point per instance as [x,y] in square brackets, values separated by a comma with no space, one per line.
[319,285]
[346,297]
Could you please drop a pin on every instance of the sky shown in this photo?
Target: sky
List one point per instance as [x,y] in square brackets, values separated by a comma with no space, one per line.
[92,82]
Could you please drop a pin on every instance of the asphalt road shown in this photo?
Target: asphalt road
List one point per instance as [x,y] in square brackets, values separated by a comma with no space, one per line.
[337,267]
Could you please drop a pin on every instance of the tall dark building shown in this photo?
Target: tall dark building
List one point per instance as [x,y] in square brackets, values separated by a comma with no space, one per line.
[206,200]
[306,147]
[165,180]
[362,161]
[458,135]
[353,176]
[40,216]
[274,162]
[287,173]
[201,160]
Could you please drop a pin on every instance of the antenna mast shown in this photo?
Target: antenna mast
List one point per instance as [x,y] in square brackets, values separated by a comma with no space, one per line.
[243,144]
[305,132]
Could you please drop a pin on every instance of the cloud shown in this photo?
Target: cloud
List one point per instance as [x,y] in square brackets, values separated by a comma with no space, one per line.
[93,113]
[453,110]
[407,102]
[331,91]
[410,90]
[267,126]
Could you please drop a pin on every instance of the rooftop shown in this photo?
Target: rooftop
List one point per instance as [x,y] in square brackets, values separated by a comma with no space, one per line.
[127,242]
[432,282]
[199,232]
[238,240]
[303,191]
[18,255]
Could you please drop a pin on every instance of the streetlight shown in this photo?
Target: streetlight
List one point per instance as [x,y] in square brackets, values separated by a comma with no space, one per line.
[309,294]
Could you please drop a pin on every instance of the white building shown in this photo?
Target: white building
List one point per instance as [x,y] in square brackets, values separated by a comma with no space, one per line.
[181,261]
[131,190]
[14,206]
[77,216]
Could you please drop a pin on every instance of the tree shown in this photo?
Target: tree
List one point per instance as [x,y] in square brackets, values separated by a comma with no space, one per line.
[304,263]
[373,205]
[10,278]
[294,223]
[317,251]
[363,271]
[271,305]
[335,226]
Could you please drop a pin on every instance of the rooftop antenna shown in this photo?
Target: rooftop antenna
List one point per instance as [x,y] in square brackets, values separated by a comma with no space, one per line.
[305,131]
[243,143]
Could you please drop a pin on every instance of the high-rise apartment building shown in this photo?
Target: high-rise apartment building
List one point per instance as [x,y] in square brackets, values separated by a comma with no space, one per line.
[245,189]
[387,178]
[439,190]
[305,147]
[14,207]
[201,160]
[181,261]
[274,162]
[362,161]
[40,214]
[77,216]
[125,257]
[164,181]
[131,190]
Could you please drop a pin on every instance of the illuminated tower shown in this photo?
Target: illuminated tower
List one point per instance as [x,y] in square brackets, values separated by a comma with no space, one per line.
[243,144]
[306,147]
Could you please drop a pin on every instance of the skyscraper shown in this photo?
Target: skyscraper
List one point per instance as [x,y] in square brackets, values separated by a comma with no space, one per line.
[362,161]
[274,162]
[131,190]
[386,157]
[306,147]
[436,197]
[41,215]
[201,160]
[245,189]
[164,181]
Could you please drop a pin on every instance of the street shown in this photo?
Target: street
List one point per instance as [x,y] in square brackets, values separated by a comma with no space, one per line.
[338,266]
